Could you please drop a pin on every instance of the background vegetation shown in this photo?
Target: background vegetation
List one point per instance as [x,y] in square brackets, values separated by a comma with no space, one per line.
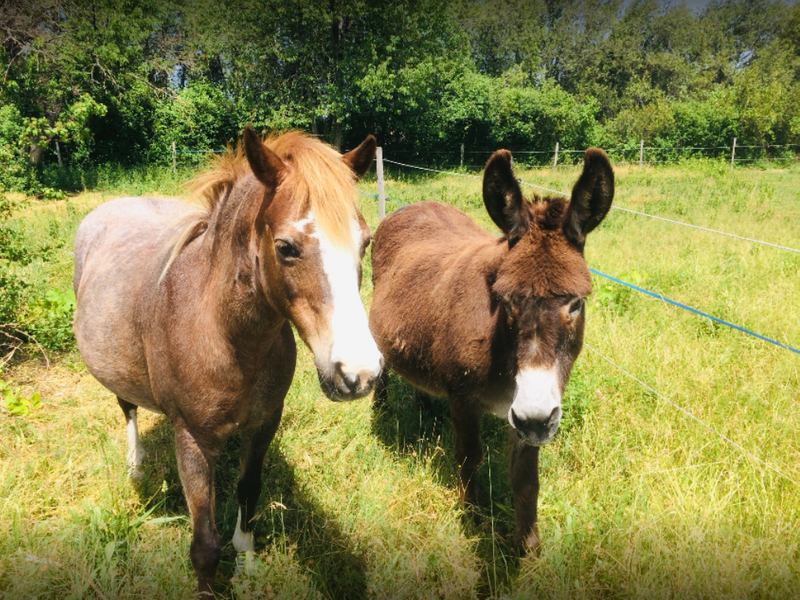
[115,83]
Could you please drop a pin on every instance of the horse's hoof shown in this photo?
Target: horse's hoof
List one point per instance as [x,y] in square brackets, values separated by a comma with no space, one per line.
[244,561]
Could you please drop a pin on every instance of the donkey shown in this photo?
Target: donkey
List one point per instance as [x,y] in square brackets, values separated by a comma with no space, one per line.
[491,323]
[187,312]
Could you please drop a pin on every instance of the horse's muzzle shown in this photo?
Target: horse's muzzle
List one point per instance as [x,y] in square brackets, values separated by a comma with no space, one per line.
[348,384]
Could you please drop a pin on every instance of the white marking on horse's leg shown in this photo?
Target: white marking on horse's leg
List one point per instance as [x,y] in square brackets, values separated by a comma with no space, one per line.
[242,540]
[136,452]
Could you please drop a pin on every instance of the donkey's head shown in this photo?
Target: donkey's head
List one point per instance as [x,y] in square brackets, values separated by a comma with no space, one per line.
[311,240]
[543,283]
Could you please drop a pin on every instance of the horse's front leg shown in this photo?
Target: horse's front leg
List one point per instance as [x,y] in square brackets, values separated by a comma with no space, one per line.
[525,485]
[196,469]
[254,447]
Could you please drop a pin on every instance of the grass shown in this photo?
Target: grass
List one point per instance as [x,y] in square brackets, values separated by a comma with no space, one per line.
[637,499]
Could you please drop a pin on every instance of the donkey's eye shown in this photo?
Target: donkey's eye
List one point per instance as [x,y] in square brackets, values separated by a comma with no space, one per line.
[575,308]
[286,249]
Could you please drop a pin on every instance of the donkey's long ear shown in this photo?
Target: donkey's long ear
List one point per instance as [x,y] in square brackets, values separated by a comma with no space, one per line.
[503,197]
[591,197]
[266,165]
[360,159]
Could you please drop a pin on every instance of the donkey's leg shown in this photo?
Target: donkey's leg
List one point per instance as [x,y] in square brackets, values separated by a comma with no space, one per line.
[466,421]
[254,448]
[136,453]
[525,485]
[196,469]
[381,394]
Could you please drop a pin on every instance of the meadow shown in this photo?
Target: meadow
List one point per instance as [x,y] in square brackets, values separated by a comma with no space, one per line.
[637,500]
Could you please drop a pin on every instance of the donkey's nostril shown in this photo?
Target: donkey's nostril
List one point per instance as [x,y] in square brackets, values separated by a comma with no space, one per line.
[516,421]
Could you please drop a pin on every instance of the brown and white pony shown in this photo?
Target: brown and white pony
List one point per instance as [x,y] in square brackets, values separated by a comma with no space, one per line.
[493,324]
[197,327]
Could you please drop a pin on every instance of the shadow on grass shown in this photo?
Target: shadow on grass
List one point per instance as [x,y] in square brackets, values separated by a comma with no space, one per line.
[409,422]
[303,528]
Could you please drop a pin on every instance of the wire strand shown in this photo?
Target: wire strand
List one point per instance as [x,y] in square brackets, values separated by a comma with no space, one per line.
[691,416]
[628,210]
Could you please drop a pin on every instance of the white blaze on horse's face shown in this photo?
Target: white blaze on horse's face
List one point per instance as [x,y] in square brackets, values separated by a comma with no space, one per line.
[348,360]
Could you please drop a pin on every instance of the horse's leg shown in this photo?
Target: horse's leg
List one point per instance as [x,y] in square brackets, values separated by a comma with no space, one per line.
[466,421]
[254,448]
[196,469]
[136,453]
[525,485]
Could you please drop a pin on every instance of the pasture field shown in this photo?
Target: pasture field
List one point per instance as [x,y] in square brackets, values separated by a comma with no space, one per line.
[638,500]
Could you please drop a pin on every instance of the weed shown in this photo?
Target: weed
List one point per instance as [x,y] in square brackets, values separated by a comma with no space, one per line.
[17,404]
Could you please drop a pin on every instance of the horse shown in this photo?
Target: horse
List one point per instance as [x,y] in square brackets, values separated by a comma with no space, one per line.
[492,324]
[186,311]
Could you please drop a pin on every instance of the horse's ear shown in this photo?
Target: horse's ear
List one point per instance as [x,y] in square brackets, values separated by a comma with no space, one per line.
[591,197]
[503,197]
[266,165]
[360,159]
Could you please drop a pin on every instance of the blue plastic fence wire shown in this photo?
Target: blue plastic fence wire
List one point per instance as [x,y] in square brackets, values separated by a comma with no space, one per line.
[694,310]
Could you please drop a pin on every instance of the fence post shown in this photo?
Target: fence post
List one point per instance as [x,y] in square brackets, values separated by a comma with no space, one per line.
[379,174]
[733,153]
[462,155]
[174,167]
[555,160]
[641,153]
[58,154]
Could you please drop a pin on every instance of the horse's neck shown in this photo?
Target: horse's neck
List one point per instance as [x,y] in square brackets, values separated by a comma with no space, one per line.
[230,294]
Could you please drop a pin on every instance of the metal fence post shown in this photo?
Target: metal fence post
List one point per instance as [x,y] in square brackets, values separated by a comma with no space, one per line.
[641,153]
[733,153]
[555,160]
[174,164]
[462,154]
[379,174]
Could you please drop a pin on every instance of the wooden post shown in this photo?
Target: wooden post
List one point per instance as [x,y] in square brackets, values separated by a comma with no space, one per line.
[462,154]
[174,164]
[733,153]
[58,154]
[379,173]
[555,160]
[641,153]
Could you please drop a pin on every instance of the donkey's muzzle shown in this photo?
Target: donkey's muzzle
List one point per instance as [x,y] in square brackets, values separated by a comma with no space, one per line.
[533,430]
[349,383]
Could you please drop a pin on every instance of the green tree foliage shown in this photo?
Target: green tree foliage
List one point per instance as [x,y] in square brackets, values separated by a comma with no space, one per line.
[117,83]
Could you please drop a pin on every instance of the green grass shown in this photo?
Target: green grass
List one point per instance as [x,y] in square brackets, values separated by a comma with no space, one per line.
[637,499]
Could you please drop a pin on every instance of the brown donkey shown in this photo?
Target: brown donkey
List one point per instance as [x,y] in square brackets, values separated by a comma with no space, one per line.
[187,312]
[491,323]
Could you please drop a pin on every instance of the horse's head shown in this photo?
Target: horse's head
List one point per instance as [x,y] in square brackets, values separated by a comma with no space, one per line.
[311,240]
[543,283]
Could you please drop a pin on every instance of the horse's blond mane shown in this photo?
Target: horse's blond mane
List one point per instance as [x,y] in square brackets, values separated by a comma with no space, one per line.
[320,181]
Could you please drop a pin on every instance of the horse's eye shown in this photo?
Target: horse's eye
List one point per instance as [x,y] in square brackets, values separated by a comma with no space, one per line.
[286,250]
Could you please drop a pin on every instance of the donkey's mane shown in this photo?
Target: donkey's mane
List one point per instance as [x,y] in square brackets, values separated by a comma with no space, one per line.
[319,178]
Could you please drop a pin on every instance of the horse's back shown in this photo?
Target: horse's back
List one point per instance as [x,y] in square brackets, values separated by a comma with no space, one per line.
[119,250]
